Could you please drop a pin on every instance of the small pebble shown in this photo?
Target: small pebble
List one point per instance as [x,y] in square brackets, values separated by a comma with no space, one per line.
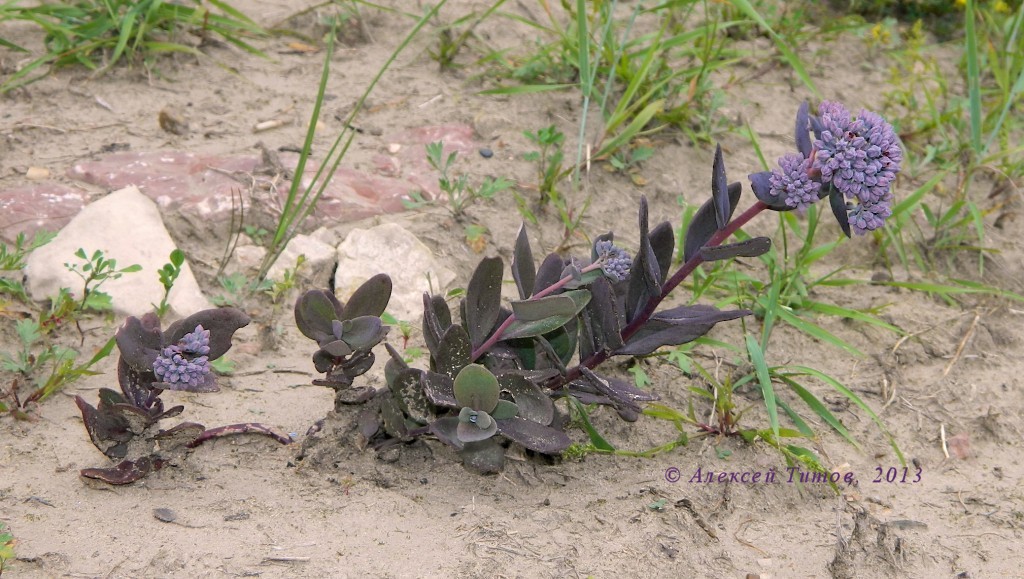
[486,153]
[37,173]
[165,515]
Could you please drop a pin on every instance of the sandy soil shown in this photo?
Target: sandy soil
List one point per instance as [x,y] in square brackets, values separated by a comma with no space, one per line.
[249,507]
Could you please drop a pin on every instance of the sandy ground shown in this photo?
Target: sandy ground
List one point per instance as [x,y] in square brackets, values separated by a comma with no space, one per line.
[249,507]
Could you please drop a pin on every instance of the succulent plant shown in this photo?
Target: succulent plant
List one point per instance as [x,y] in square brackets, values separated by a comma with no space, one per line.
[124,424]
[346,334]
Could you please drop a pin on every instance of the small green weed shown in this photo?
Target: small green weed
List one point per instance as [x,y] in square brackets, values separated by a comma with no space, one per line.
[459,193]
[168,275]
[98,34]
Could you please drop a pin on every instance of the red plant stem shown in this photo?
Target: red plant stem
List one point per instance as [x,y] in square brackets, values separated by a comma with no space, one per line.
[244,428]
[642,318]
[496,336]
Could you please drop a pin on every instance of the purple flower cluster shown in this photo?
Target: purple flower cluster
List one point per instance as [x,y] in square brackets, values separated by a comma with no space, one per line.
[860,157]
[185,362]
[853,158]
[792,182]
[615,262]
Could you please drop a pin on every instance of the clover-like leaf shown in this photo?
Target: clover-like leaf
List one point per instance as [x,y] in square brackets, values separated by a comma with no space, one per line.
[369,299]
[477,388]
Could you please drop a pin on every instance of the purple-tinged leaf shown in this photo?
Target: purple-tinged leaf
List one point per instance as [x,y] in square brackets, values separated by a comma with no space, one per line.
[337,349]
[475,431]
[369,299]
[534,404]
[445,429]
[136,386]
[645,273]
[323,362]
[605,318]
[394,420]
[760,184]
[408,392]
[111,397]
[705,224]
[720,197]
[126,471]
[534,436]
[803,127]
[663,242]
[538,309]
[138,341]
[524,271]
[838,205]
[483,299]
[752,247]
[363,332]
[604,386]
[454,351]
[439,389]
[437,318]
[358,364]
[587,340]
[676,326]
[483,457]
[108,432]
[368,421]
[550,271]
[315,311]
[529,329]
[221,322]
[171,413]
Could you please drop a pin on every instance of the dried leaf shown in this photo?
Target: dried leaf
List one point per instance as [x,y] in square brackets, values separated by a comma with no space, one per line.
[126,472]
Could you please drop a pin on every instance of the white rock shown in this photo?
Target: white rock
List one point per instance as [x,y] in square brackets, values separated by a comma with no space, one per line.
[126,226]
[317,268]
[390,249]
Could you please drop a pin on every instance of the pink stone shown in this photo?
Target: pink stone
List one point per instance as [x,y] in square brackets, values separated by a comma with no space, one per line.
[40,206]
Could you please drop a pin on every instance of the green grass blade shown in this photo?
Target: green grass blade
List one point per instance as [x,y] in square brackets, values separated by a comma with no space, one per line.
[814,404]
[816,331]
[595,437]
[526,89]
[838,387]
[780,44]
[764,379]
[973,78]
[850,314]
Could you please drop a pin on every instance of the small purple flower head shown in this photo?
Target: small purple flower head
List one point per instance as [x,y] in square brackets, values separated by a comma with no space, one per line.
[792,182]
[185,364]
[615,262]
[859,156]
[866,217]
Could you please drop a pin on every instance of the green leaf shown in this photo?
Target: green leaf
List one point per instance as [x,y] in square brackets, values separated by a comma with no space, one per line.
[521,329]
[538,309]
[595,437]
[476,388]
[763,378]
